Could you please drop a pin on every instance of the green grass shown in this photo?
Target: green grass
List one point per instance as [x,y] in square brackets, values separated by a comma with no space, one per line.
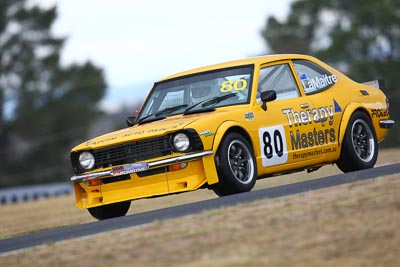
[349,225]
[52,213]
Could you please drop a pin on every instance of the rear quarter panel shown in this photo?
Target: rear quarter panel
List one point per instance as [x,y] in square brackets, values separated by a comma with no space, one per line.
[353,96]
[372,101]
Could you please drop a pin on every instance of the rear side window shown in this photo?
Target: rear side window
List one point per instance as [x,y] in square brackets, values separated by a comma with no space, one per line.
[313,78]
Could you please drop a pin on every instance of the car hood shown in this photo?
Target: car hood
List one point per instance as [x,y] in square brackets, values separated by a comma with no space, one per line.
[143,131]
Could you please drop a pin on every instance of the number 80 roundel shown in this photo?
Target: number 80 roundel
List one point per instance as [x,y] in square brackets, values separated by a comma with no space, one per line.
[273,145]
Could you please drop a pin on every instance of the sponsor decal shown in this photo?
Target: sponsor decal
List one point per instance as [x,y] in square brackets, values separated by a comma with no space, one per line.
[90,142]
[154,130]
[132,133]
[206,133]
[313,153]
[380,112]
[321,117]
[337,107]
[274,149]
[249,116]
[310,139]
[118,171]
[317,82]
[303,76]
[316,115]
[130,168]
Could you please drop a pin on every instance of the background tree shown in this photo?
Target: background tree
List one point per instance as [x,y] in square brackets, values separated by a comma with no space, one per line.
[360,37]
[45,108]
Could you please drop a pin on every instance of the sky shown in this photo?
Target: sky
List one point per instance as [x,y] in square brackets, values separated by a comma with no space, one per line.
[139,42]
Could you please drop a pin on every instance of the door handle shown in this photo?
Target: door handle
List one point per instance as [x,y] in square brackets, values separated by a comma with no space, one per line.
[305,105]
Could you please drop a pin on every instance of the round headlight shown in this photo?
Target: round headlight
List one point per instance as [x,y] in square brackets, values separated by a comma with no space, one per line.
[181,142]
[86,159]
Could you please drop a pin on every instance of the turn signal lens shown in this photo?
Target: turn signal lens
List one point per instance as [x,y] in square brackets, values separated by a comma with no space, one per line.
[177,166]
[94,182]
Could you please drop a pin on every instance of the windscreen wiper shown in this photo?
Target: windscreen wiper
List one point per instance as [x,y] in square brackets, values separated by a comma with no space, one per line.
[217,99]
[157,116]
[208,102]
[148,118]
[169,110]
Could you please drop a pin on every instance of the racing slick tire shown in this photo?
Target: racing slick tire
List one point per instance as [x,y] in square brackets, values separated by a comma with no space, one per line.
[359,146]
[110,211]
[236,166]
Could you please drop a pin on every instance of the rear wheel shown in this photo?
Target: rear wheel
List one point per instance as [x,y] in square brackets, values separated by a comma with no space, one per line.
[110,211]
[235,166]
[359,146]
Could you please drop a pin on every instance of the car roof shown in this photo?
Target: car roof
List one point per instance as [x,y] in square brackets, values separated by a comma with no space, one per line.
[246,61]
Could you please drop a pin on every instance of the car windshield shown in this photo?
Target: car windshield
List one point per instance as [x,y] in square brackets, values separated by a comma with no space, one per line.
[198,93]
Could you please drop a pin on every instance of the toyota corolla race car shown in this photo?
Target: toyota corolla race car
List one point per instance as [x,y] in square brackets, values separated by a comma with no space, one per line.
[224,126]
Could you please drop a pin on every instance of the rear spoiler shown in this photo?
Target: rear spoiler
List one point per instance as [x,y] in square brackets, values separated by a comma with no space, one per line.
[380,84]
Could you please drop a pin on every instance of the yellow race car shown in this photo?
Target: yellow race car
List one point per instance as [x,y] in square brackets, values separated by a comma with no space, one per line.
[224,126]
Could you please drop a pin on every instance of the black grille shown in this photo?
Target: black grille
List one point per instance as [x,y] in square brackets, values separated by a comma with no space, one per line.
[135,151]
[132,152]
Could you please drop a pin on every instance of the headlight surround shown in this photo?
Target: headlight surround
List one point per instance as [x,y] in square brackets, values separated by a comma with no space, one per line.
[181,142]
[86,160]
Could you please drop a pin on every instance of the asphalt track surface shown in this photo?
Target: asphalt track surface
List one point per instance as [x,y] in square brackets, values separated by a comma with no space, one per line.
[37,239]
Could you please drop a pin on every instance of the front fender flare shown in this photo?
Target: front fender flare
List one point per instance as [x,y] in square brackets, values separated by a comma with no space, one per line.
[208,161]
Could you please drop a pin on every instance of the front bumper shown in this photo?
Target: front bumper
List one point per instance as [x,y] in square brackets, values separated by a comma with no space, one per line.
[137,167]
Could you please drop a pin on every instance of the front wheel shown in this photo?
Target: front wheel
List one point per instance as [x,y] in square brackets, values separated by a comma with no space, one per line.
[359,147]
[110,211]
[236,166]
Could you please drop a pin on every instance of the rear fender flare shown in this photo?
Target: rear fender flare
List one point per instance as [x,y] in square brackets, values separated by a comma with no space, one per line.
[350,109]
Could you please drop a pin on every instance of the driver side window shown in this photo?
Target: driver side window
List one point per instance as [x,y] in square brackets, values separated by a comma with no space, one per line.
[278,78]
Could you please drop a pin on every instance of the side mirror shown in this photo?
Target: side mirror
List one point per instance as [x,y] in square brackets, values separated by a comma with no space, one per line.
[267,96]
[130,121]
